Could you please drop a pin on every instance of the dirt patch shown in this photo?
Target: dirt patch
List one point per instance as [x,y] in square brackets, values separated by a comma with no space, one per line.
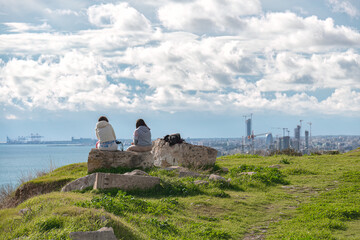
[256,234]
[30,189]
[301,189]
[254,237]
[206,209]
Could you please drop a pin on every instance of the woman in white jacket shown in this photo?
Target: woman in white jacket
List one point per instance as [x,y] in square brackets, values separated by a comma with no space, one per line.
[106,135]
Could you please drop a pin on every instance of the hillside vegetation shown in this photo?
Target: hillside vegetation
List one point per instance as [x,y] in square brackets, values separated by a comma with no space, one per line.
[308,197]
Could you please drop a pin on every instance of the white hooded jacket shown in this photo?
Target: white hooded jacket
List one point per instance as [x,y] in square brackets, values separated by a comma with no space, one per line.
[104,132]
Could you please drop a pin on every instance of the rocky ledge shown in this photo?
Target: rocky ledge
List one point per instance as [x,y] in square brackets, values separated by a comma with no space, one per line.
[129,181]
[112,159]
[184,154]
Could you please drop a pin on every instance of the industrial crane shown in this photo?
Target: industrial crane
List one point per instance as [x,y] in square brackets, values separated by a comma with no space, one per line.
[252,136]
[283,130]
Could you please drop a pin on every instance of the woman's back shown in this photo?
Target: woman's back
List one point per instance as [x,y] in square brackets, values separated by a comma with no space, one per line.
[105,132]
[142,136]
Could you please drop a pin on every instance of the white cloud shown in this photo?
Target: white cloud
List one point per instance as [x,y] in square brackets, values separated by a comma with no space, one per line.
[294,72]
[120,16]
[128,62]
[62,12]
[11,117]
[344,6]
[72,82]
[287,31]
[205,16]
[26,27]
[343,98]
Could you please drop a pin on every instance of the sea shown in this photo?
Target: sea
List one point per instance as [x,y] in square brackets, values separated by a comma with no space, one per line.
[22,160]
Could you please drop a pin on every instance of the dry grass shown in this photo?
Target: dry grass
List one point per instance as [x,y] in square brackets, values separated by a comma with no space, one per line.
[7,191]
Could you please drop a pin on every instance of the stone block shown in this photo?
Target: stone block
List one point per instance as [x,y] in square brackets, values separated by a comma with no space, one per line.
[275,166]
[176,168]
[101,234]
[125,182]
[183,154]
[201,182]
[215,177]
[113,159]
[137,172]
[248,173]
[80,183]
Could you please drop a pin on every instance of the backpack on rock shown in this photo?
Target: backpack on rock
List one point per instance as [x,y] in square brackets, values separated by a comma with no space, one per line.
[173,139]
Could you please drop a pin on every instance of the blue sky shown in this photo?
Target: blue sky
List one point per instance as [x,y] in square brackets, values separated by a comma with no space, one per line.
[194,67]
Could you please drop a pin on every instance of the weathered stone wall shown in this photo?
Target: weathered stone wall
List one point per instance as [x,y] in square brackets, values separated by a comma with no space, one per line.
[183,154]
[112,159]
[125,182]
[129,181]
[101,234]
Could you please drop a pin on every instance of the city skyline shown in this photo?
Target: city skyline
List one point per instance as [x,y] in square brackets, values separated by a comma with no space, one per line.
[195,67]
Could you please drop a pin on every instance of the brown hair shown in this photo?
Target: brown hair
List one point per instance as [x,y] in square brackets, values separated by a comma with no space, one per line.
[103,118]
[141,122]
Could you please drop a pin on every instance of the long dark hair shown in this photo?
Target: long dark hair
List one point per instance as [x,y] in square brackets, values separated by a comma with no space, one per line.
[103,118]
[141,122]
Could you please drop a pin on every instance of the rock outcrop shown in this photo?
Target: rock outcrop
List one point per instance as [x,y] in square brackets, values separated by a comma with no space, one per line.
[101,234]
[214,177]
[137,172]
[130,181]
[112,159]
[183,154]
[125,182]
[80,183]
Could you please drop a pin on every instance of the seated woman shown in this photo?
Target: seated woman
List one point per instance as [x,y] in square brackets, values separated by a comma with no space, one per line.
[106,135]
[142,138]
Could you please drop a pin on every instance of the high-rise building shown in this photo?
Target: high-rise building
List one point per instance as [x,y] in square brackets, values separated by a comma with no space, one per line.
[269,140]
[306,139]
[297,138]
[284,143]
[248,130]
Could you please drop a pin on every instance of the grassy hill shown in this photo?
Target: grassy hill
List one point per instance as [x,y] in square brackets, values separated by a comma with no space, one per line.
[308,197]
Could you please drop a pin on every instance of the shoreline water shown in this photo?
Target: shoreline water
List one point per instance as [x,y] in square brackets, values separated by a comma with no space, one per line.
[21,160]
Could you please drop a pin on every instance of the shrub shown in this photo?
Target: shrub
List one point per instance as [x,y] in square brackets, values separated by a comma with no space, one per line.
[288,152]
[265,175]
[298,171]
[50,223]
[123,203]
[284,161]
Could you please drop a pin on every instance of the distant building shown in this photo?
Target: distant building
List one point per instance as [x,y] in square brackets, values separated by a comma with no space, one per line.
[284,143]
[296,141]
[269,141]
[248,130]
[83,141]
[32,139]
[306,140]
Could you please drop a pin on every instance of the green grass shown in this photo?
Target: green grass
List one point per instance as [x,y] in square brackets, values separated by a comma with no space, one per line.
[309,197]
[69,172]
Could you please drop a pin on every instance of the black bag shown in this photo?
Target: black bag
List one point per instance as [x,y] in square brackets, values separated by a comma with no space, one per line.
[173,139]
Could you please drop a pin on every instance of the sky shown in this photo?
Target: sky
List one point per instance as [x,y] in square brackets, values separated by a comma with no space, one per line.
[196,67]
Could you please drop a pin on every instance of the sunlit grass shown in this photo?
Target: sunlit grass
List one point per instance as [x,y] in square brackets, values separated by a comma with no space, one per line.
[308,197]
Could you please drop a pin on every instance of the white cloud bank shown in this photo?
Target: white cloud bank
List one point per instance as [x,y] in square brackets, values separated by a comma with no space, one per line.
[246,60]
